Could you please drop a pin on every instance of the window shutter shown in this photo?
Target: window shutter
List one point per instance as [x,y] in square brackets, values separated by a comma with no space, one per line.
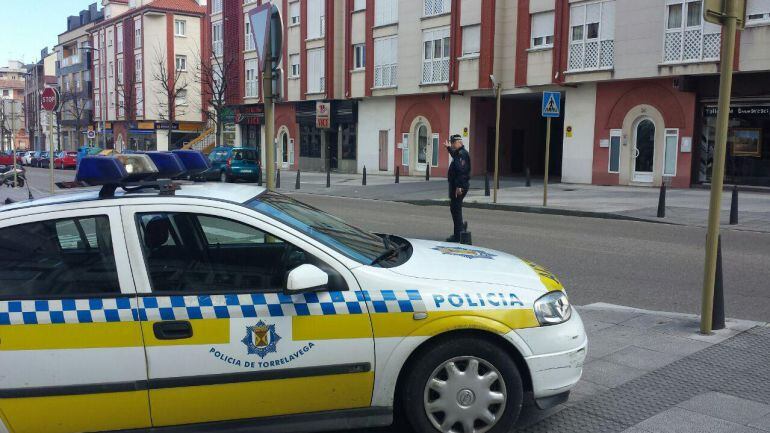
[607,27]
[471,39]
[757,7]
[542,24]
[577,16]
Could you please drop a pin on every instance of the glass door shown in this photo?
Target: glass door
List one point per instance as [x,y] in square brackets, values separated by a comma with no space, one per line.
[644,151]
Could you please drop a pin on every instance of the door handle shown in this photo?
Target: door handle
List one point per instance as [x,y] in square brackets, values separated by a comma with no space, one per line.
[172,330]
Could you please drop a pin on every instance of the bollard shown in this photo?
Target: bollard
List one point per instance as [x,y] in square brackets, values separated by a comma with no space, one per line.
[296,183]
[363,180]
[259,179]
[662,201]
[278,178]
[734,207]
[427,172]
[328,177]
[397,172]
[528,179]
[486,184]
[718,310]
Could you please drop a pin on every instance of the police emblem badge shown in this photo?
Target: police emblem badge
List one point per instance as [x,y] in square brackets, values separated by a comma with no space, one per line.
[261,339]
[468,253]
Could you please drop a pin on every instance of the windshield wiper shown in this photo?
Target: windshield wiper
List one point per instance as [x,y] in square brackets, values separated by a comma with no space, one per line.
[390,251]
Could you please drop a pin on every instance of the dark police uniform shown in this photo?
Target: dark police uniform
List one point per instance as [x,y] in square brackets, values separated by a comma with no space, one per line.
[458,177]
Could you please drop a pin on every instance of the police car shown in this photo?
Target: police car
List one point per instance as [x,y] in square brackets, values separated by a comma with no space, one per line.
[154,305]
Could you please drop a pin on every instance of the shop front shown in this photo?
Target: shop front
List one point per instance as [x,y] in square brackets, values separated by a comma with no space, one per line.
[328,141]
[250,119]
[142,137]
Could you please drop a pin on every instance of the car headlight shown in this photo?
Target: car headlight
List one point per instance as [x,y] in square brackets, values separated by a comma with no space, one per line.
[553,308]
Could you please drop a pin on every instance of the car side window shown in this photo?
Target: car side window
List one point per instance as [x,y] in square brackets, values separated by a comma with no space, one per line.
[194,253]
[64,257]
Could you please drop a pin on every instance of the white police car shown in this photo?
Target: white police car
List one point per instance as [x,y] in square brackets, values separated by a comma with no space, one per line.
[211,307]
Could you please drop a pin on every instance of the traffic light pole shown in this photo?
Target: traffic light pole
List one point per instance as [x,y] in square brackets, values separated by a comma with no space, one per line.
[718,167]
[497,144]
[269,102]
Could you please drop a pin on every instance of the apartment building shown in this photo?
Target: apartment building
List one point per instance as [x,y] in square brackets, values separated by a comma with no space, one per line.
[12,118]
[638,80]
[75,77]
[146,84]
[38,76]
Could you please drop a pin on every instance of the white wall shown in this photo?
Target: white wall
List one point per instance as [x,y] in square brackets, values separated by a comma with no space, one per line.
[459,118]
[580,114]
[374,115]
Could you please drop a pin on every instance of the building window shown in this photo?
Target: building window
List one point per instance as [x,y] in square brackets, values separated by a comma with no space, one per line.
[359,56]
[688,38]
[316,21]
[616,136]
[434,150]
[181,63]
[385,12]
[119,38]
[436,7]
[121,106]
[542,30]
[592,36]
[359,5]
[435,65]
[181,97]
[110,70]
[109,38]
[120,71]
[251,78]
[138,33]
[671,146]
[139,100]
[138,69]
[180,27]
[757,12]
[216,38]
[386,62]
[316,73]
[294,62]
[249,41]
[216,6]
[471,40]
[309,142]
[294,13]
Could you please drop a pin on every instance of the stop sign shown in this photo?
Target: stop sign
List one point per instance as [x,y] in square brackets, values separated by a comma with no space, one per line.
[49,99]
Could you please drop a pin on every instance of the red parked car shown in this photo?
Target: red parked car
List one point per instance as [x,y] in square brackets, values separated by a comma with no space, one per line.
[6,158]
[65,160]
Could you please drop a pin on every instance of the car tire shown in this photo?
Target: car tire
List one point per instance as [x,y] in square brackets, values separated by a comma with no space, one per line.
[441,386]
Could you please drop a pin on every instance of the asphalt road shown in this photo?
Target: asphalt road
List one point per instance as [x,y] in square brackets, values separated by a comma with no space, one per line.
[638,264]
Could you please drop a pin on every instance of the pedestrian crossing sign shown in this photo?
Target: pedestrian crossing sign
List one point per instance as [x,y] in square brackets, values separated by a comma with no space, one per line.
[551,104]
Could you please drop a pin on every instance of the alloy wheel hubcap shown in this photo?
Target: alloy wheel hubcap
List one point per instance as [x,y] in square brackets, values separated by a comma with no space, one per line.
[465,395]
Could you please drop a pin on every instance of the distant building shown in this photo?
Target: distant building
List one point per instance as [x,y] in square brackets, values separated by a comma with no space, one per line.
[12,119]
[75,77]
[147,91]
[39,76]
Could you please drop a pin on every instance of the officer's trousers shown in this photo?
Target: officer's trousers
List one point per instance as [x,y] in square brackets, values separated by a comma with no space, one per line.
[456,208]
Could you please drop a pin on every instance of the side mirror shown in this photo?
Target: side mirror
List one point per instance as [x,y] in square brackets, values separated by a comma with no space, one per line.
[306,278]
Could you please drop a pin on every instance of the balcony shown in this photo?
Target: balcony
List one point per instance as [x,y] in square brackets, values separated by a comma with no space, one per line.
[591,55]
[386,76]
[691,45]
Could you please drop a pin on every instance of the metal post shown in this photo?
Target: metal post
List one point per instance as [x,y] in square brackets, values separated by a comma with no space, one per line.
[50,149]
[497,146]
[427,172]
[397,173]
[328,177]
[547,160]
[734,206]
[363,180]
[13,142]
[486,184]
[527,177]
[296,184]
[718,312]
[267,90]
[718,167]
[662,200]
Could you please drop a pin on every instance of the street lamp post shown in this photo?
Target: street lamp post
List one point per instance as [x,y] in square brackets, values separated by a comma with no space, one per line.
[498,92]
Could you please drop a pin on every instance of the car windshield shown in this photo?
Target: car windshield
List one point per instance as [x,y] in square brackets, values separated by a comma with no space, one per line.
[353,242]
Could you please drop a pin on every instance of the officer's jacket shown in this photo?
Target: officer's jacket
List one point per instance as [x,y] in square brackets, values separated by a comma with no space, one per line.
[459,169]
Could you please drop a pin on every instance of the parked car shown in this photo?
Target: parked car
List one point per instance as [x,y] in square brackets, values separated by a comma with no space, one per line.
[229,164]
[6,159]
[66,160]
[33,161]
[26,159]
[44,160]
[19,155]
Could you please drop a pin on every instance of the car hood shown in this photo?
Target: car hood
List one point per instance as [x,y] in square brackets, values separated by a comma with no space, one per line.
[471,264]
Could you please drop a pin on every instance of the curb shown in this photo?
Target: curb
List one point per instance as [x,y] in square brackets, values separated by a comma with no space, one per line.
[538,210]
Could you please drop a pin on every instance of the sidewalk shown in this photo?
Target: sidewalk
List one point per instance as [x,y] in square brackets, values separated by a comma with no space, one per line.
[684,206]
[650,372]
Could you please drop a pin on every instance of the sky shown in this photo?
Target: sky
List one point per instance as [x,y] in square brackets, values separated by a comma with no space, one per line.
[28,26]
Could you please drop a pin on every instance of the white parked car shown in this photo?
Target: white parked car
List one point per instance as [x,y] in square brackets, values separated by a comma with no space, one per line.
[26,159]
[216,306]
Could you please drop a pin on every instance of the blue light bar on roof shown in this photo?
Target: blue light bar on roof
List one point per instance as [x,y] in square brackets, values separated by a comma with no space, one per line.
[194,161]
[101,170]
[169,165]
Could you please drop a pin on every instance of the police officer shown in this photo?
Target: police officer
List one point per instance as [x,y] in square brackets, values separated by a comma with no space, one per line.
[459,182]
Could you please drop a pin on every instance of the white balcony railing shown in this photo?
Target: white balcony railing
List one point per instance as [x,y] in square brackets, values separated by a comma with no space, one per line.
[591,55]
[435,71]
[691,45]
[386,75]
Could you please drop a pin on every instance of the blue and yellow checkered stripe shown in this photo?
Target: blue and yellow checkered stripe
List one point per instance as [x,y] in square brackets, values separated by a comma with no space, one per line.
[153,308]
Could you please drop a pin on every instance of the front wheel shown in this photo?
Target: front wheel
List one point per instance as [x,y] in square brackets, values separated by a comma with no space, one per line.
[465,385]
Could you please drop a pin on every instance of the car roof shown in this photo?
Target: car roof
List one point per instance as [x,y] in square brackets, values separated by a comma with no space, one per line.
[210,191]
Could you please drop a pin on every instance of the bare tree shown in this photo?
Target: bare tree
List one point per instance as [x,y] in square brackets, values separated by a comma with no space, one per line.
[74,107]
[213,76]
[170,85]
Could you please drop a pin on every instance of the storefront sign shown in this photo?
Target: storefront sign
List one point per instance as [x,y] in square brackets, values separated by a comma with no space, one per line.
[165,125]
[250,115]
[323,115]
[145,125]
[753,111]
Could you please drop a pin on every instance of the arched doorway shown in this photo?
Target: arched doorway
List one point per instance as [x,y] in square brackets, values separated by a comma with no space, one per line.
[643,152]
[422,147]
